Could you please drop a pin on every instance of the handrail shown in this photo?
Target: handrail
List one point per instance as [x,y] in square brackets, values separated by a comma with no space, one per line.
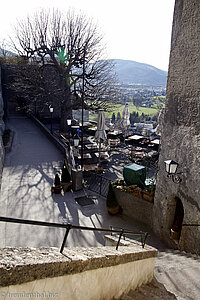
[191,224]
[68,227]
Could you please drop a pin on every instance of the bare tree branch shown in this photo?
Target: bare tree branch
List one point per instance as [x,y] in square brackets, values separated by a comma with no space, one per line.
[68,41]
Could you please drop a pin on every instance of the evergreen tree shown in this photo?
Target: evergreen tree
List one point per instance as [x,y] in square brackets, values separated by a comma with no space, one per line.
[65,176]
[57,180]
[111,199]
[113,118]
[119,116]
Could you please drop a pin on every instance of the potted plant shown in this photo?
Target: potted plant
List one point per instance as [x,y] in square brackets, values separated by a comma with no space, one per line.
[176,229]
[111,201]
[174,233]
[57,185]
[65,178]
[149,192]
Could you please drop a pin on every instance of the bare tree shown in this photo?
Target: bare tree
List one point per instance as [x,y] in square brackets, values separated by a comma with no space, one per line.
[73,45]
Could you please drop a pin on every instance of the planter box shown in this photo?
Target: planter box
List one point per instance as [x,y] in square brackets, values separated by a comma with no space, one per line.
[66,186]
[147,196]
[134,190]
[56,189]
[113,210]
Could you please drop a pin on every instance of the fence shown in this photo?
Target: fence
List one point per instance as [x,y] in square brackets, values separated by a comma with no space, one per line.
[96,183]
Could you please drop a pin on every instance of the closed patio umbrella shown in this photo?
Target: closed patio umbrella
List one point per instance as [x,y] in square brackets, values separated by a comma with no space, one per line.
[125,118]
[100,135]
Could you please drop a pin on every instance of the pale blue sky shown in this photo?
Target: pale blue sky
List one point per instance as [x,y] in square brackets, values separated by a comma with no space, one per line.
[137,30]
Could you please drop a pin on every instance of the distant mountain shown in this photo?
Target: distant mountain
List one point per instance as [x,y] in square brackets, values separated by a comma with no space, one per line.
[129,71]
[9,53]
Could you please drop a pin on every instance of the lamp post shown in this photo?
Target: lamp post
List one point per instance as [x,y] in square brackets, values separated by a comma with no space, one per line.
[76,140]
[51,111]
[171,168]
[69,122]
[76,143]
[82,102]
[77,174]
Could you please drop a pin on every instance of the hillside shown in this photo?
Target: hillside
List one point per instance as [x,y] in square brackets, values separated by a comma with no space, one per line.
[132,72]
[129,71]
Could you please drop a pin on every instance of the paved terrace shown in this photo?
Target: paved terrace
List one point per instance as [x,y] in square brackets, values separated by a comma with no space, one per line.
[28,174]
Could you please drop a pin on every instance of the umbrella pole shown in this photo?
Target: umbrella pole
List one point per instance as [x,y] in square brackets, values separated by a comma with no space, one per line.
[99,150]
[124,136]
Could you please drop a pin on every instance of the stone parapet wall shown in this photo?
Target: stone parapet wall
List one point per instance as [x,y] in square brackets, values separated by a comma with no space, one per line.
[2,128]
[81,273]
[55,140]
[134,207]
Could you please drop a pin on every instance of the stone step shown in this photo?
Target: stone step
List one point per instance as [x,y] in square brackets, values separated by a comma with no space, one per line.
[153,290]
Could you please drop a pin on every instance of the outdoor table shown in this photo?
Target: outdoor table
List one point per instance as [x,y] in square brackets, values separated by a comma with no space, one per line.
[91,146]
[135,138]
[115,132]
[103,155]
[85,156]
[93,128]
[139,154]
[90,167]
[113,142]
[75,127]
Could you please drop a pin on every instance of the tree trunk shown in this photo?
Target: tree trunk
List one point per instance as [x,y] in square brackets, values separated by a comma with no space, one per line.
[64,115]
[65,104]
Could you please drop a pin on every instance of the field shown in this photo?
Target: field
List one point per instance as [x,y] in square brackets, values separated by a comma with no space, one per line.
[119,108]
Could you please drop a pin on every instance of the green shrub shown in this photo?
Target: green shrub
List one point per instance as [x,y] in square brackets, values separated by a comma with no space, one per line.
[6,136]
[57,180]
[111,200]
[65,176]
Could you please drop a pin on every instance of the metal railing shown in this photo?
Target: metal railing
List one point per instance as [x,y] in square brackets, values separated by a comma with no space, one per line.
[68,227]
[96,183]
[193,224]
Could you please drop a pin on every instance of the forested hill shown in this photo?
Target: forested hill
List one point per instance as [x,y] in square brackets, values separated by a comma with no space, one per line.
[129,71]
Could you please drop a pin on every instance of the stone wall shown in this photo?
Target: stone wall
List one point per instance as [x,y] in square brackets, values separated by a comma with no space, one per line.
[2,127]
[81,273]
[181,135]
[134,207]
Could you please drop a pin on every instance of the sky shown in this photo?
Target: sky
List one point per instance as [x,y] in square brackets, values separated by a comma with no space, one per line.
[138,30]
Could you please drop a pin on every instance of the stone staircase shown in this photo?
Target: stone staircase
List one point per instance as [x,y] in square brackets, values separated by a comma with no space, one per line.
[176,274]
[153,290]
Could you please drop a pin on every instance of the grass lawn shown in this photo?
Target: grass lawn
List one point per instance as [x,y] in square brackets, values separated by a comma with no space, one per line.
[119,108]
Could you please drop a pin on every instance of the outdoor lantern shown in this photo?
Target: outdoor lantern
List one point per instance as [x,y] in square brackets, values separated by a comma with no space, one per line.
[76,140]
[51,109]
[69,122]
[171,166]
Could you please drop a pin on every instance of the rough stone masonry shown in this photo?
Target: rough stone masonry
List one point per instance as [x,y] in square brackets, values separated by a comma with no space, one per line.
[2,127]
[181,135]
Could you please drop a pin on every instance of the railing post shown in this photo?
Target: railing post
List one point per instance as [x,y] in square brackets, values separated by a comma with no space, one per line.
[100,183]
[69,226]
[119,239]
[145,237]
